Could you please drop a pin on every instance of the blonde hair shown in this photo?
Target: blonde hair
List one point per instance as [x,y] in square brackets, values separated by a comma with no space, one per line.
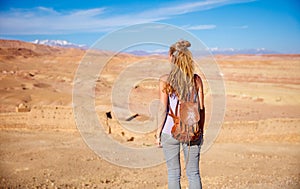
[181,78]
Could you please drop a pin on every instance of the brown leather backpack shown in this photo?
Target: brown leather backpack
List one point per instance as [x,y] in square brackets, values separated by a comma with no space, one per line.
[187,127]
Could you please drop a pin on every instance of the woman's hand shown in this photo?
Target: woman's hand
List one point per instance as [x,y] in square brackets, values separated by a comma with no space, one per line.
[158,142]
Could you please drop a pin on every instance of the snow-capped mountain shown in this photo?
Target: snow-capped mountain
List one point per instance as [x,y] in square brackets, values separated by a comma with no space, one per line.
[60,43]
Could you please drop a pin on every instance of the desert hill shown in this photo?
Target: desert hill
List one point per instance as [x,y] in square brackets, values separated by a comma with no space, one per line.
[32,72]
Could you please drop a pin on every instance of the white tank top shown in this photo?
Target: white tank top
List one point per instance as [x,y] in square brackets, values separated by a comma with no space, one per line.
[169,121]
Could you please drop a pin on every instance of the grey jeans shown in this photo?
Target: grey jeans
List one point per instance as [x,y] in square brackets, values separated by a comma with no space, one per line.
[171,149]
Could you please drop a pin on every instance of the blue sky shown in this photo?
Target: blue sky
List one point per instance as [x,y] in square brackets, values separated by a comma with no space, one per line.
[239,24]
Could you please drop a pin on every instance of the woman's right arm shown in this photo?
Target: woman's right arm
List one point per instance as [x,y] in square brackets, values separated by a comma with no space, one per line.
[162,111]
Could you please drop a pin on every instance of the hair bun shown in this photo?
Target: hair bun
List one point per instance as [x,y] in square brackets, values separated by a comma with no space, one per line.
[182,45]
[186,43]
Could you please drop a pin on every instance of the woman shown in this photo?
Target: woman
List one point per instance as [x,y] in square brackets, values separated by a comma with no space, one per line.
[174,87]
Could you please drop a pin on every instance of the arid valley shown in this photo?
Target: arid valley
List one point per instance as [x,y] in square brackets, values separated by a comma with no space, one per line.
[40,146]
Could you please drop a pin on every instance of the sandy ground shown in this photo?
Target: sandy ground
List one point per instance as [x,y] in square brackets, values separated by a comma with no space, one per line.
[258,145]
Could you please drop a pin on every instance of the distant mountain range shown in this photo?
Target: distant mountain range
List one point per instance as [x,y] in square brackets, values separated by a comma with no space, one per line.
[215,51]
[145,53]
[59,43]
[232,51]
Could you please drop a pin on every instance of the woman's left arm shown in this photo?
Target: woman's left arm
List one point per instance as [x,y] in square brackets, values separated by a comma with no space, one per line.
[201,102]
[200,91]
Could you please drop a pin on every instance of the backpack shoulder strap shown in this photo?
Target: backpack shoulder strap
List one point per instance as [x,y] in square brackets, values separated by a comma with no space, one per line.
[176,109]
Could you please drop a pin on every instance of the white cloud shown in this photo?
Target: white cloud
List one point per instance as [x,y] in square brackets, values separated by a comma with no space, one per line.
[44,20]
[88,13]
[199,27]
[241,27]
